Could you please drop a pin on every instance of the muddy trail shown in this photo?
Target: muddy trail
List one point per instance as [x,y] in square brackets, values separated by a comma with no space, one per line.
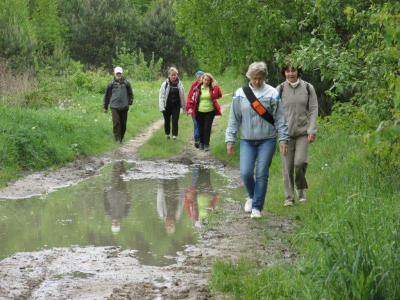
[112,272]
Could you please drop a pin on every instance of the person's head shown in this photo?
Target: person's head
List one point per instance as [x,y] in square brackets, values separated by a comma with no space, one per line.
[170,225]
[118,72]
[257,73]
[115,226]
[172,74]
[290,73]
[207,79]
[198,75]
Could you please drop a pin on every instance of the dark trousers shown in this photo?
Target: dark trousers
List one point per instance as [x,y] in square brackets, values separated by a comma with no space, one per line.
[119,118]
[174,113]
[204,121]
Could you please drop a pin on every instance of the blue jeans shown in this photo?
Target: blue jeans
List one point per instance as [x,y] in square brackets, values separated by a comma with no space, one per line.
[260,152]
[195,130]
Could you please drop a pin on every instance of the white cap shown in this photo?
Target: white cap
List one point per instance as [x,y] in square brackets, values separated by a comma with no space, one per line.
[115,228]
[118,70]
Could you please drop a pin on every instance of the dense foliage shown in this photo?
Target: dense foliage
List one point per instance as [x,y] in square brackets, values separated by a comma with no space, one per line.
[40,33]
[349,49]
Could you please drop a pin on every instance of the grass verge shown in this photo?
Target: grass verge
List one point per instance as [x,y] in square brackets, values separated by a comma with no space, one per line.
[348,235]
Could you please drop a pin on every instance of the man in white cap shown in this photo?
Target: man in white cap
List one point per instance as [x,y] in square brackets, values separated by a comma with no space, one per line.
[119,96]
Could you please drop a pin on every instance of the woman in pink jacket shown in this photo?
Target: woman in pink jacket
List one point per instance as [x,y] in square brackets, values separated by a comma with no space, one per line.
[204,107]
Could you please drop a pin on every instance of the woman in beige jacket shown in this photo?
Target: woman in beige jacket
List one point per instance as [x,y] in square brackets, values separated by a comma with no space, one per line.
[301,110]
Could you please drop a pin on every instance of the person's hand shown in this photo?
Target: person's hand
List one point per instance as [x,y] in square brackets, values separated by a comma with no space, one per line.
[229,149]
[105,111]
[189,111]
[283,148]
[311,138]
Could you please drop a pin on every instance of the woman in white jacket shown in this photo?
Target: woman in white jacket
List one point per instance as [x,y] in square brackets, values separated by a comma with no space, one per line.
[171,99]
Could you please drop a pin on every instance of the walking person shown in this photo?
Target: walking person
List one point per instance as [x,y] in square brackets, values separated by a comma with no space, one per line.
[301,109]
[196,135]
[204,107]
[171,99]
[119,95]
[258,133]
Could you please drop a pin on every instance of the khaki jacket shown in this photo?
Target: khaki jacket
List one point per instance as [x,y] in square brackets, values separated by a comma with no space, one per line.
[301,108]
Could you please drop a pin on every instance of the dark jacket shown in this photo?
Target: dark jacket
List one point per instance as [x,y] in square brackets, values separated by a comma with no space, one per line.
[118,95]
[215,93]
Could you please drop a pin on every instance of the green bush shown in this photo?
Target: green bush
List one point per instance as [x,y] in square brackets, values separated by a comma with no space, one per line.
[136,67]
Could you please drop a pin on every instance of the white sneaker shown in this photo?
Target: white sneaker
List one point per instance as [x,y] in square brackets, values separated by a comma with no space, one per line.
[301,195]
[255,214]
[248,205]
[289,203]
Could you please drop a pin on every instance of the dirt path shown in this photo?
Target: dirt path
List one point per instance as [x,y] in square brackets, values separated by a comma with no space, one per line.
[113,273]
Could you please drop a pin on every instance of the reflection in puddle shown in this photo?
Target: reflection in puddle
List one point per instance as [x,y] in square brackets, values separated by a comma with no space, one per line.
[148,207]
[116,200]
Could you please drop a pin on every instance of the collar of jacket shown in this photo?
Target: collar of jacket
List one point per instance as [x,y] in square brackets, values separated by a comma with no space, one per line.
[199,86]
[122,80]
[176,82]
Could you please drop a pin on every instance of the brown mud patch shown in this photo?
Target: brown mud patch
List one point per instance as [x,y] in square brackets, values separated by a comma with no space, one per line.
[112,273]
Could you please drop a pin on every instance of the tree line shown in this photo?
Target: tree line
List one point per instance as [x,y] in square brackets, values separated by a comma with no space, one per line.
[94,32]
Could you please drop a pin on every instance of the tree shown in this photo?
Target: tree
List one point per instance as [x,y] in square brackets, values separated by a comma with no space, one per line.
[97,27]
[47,24]
[238,32]
[17,39]
[157,34]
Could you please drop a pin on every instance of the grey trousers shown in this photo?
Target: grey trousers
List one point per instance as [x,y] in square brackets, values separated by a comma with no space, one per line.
[295,162]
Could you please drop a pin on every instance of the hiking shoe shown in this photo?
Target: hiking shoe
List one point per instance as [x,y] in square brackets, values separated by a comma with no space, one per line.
[174,138]
[206,147]
[201,146]
[301,195]
[168,137]
[248,205]
[197,144]
[289,203]
[255,214]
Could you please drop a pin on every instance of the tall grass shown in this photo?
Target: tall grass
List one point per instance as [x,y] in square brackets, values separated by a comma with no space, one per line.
[348,235]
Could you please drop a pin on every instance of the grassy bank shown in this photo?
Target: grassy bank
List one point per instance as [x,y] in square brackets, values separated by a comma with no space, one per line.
[347,241]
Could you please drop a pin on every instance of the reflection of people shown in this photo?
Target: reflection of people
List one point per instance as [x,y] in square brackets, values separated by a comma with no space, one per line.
[204,107]
[169,203]
[301,109]
[258,136]
[171,100]
[119,96]
[189,99]
[200,197]
[115,199]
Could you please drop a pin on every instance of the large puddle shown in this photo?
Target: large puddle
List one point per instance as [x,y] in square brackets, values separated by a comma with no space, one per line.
[148,207]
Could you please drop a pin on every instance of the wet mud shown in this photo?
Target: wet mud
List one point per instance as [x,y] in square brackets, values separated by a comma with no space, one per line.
[89,272]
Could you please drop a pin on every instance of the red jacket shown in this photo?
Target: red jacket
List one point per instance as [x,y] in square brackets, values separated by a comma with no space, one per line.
[193,104]
[191,91]
[191,202]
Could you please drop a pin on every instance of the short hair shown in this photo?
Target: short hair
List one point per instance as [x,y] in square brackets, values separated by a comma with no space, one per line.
[209,75]
[257,68]
[289,65]
[172,70]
